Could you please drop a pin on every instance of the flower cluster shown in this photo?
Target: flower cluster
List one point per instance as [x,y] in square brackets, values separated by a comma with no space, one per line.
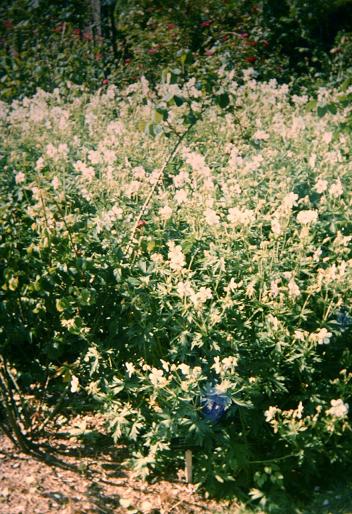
[221,257]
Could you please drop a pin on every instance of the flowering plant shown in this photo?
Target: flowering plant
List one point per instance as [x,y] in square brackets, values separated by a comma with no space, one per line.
[155,241]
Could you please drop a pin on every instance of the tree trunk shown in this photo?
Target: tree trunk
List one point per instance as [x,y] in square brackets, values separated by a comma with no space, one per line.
[95,8]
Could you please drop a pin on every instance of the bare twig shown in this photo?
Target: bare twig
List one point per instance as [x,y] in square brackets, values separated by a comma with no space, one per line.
[170,158]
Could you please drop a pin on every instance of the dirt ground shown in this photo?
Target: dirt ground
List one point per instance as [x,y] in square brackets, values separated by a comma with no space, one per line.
[29,486]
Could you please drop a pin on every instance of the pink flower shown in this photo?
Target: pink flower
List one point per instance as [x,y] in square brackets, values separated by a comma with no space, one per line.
[105,82]
[209,53]
[244,35]
[206,23]
[87,36]
[141,223]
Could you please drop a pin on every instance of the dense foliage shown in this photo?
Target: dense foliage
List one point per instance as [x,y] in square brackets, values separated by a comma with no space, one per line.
[44,45]
[182,255]
[175,232]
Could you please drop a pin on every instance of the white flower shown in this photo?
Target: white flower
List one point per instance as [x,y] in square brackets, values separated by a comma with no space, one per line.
[321,186]
[201,297]
[307,217]
[276,227]
[184,289]
[94,156]
[130,368]
[157,258]
[327,137]
[322,336]
[238,217]
[115,213]
[154,176]
[289,201]
[109,156]
[317,254]
[181,179]
[39,165]
[270,413]
[184,368]
[180,196]
[336,189]
[312,160]
[274,289]
[87,171]
[229,363]
[74,384]
[338,408]
[299,335]
[139,173]
[55,183]
[20,177]
[211,217]
[293,289]
[177,260]
[157,377]
[165,212]
[261,135]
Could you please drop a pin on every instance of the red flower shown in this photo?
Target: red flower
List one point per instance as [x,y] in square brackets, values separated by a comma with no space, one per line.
[8,24]
[225,37]
[251,58]
[206,23]
[128,60]
[141,223]
[76,32]
[105,82]
[171,26]
[251,43]
[244,35]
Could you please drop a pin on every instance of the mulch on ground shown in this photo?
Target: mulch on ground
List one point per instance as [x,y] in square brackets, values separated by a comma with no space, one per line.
[99,485]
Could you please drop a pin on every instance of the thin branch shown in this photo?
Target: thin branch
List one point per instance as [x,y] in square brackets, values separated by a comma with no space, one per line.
[158,178]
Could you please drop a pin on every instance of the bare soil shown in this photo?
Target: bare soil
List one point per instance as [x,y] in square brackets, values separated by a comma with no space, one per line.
[99,484]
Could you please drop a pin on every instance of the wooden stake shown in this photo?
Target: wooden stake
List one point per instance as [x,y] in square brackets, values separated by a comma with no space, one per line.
[188,466]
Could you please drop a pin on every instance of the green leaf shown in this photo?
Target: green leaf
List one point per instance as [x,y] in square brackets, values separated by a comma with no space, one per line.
[163,112]
[223,100]
[322,110]
[13,283]
[150,246]
[179,100]
[154,130]
[310,106]
[158,117]
[62,304]
[332,108]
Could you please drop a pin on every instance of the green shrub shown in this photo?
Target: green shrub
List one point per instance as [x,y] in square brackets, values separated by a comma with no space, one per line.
[184,258]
